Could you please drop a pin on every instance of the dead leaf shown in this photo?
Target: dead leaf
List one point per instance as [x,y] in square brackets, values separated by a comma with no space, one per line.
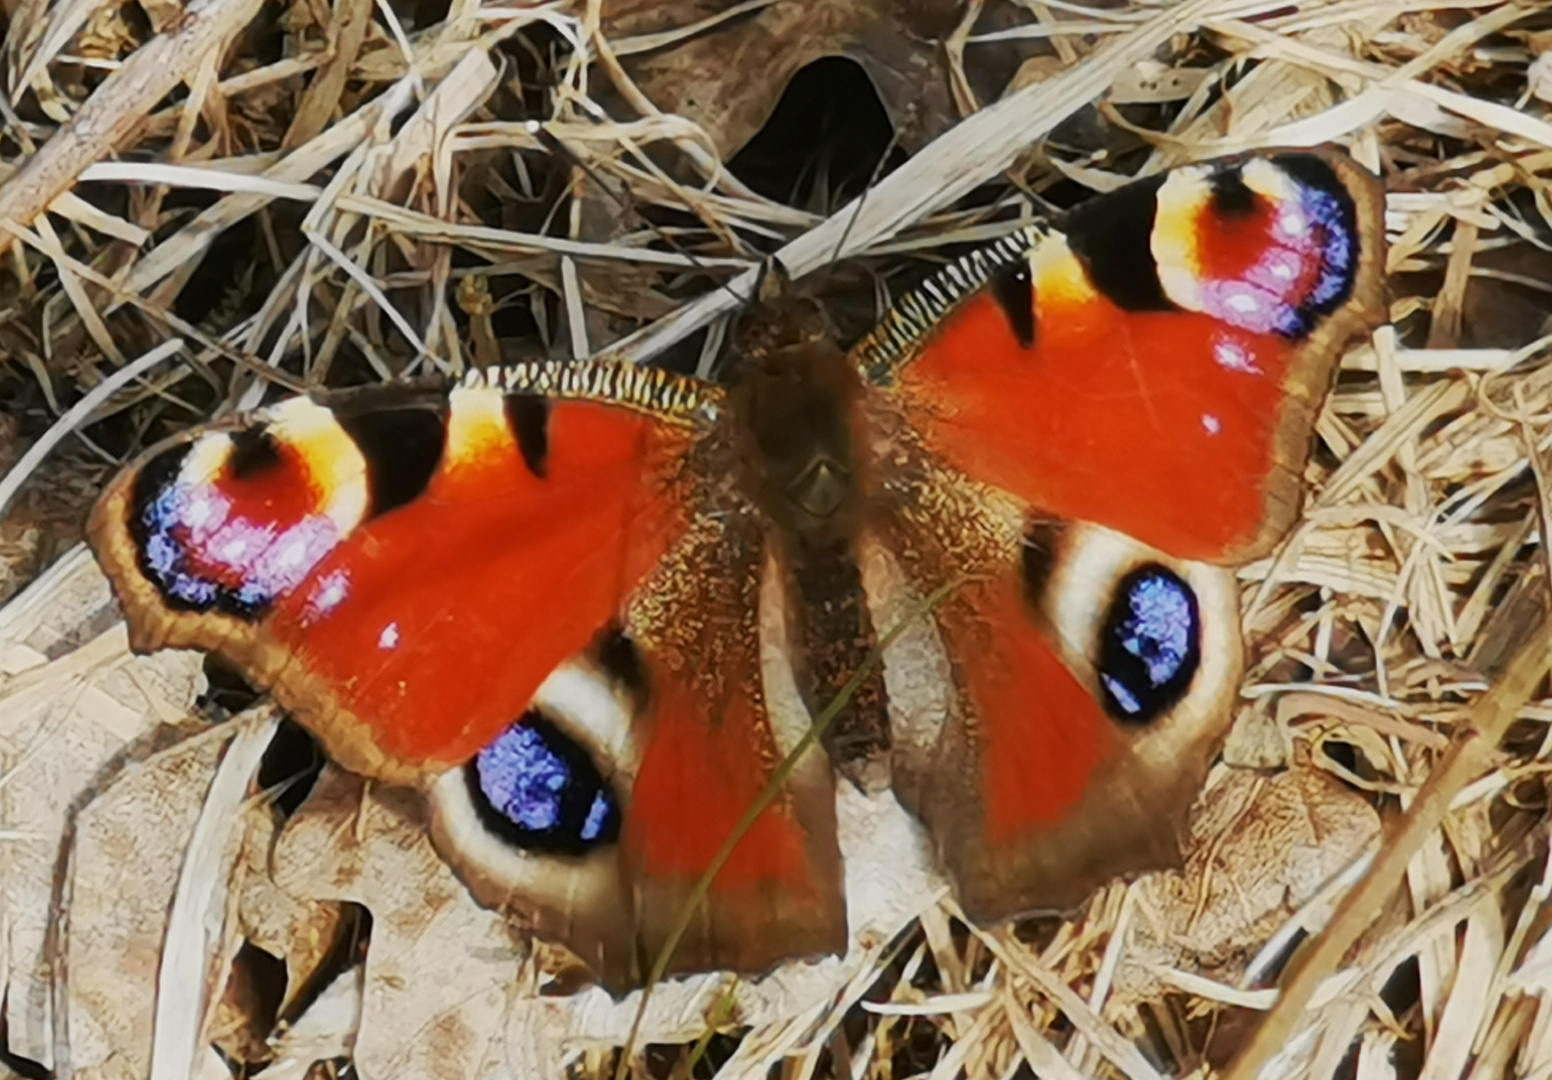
[439,967]
[1260,848]
[326,1031]
[63,724]
[704,75]
[301,933]
[126,861]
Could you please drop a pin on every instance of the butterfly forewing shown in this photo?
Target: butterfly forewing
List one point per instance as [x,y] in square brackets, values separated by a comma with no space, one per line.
[1154,364]
[407,644]
[410,624]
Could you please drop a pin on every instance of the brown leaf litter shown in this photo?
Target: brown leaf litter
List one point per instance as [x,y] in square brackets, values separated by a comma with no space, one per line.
[321,194]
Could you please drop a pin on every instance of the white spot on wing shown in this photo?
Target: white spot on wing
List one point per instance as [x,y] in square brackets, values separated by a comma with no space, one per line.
[328,594]
[1211,424]
[197,512]
[389,638]
[206,460]
[294,553]
[1234,356]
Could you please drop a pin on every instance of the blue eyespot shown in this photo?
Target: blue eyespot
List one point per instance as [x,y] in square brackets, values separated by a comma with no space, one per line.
[173,525]
[1150,645]
[538,788]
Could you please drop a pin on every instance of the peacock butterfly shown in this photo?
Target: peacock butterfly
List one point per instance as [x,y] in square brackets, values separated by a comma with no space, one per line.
[558,597]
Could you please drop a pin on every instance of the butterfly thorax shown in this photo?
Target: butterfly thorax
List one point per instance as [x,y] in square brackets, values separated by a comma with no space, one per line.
[797,409]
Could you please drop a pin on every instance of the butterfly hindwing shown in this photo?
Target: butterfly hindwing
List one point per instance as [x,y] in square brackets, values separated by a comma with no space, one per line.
[1091,678]
[674,706]
[717,737]
[655,745]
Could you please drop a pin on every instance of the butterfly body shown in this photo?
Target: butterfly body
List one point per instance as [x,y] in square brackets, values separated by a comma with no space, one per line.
[796,410]
[589,609]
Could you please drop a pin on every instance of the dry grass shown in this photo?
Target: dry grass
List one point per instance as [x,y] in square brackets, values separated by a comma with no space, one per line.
[370,202]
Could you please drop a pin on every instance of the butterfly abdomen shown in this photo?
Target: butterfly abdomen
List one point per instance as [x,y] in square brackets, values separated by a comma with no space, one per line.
[805,465]
[834,634]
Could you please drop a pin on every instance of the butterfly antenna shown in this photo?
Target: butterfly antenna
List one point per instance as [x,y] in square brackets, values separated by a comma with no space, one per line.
[878,170]
[552,142]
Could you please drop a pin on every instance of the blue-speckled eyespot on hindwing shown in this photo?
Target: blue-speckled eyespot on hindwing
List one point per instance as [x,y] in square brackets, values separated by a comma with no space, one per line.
[538,789]
[555,782]
[546,785]
[534,820]
[1150,644]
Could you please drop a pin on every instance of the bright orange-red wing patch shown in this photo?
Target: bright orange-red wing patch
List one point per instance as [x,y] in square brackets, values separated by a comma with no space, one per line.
[707,763]
[1041,732]
[1158,424]
[1155,365]
[709,757]
[435,623]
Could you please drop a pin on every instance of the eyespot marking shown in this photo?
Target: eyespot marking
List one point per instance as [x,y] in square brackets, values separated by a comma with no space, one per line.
[1150,644]
[538,789]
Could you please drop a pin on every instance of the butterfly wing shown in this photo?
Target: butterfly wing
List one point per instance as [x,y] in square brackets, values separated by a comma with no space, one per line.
[402,569]
[1076,427]
[405,569]
[1154,365]
[1090,676]
[675,707]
